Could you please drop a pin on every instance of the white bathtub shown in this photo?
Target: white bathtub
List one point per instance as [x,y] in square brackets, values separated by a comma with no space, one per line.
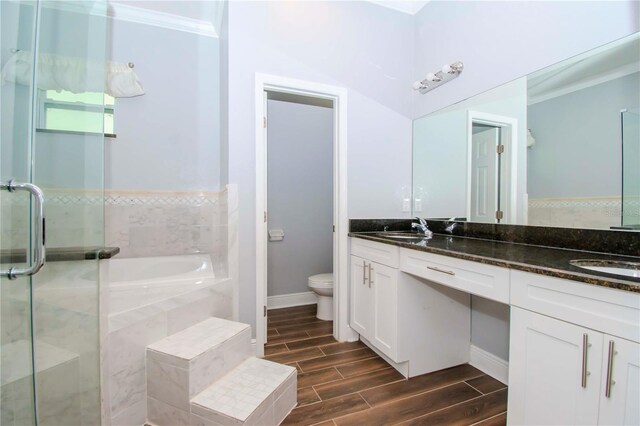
[137,282]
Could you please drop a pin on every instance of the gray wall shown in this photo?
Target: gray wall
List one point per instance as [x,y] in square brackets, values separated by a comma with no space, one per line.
[498,42]
[300,200]
[578,152]
[363,47]
[169,138]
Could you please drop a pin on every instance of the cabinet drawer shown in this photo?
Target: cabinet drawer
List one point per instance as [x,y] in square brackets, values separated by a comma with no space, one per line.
[488,281]
[384,254]
[612,311]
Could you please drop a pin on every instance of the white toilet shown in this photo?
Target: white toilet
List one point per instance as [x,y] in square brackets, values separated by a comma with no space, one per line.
[322,285]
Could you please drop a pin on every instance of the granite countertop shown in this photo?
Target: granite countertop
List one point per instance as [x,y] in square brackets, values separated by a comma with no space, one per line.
[553,262]
[59,254]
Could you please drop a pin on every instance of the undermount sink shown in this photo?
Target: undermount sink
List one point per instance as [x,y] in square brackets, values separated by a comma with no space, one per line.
[627,269]
[411,236]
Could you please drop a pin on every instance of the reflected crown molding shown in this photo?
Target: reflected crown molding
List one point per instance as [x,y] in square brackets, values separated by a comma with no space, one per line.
[139,15]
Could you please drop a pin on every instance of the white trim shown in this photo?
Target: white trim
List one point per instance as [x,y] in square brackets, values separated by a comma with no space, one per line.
[338,95]
[140,15]
[489,364]
[512,147]
[292,299]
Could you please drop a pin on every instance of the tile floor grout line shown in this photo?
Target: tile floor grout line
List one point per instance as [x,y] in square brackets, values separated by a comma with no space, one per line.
[428,391]
[368,372]
[488,418]
[454,405]
[474,388]
[338,365]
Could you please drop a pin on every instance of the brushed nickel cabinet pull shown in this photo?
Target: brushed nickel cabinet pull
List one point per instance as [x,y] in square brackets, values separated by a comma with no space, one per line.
[433,268]
[607,390]
[370,276]
[585,344]
[364,272]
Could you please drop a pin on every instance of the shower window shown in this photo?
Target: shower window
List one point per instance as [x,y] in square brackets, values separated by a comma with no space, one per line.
[89,112]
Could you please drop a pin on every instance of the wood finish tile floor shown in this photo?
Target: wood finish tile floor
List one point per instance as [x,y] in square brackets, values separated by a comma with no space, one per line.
[342,384]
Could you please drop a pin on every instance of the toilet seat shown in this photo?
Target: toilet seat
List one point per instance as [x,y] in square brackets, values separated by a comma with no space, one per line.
[321,280]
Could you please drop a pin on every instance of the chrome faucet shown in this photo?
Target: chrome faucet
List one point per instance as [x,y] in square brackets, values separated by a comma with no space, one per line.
[422,227]
[451,225]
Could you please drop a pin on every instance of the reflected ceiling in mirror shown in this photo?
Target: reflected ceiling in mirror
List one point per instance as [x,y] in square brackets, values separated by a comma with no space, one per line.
[559,147]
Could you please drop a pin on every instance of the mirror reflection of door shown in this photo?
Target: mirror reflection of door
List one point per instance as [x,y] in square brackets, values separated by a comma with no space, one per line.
[485,173]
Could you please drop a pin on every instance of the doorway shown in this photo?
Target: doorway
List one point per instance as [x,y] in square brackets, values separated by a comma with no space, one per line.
[281,89]
[299,201]
[491,175]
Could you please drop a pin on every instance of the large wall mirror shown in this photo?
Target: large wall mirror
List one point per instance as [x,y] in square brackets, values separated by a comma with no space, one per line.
[559,147]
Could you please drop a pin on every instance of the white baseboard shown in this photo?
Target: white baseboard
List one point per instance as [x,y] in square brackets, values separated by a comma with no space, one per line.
[489,364]
[293,299]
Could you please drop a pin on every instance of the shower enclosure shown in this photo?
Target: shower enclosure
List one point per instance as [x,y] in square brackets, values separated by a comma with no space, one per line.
[630,169]
[49,339]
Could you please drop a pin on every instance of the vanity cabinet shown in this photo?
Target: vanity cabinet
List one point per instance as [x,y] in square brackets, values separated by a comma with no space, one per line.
[574,353]
[561,373]
[374,307]
[405,318]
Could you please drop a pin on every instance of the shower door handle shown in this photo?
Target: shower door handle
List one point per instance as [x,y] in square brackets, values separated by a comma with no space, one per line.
[38,230]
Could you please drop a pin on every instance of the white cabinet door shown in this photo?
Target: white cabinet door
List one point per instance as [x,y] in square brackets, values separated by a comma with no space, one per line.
[360,296]
[546,371]
[384,291]
[620,401]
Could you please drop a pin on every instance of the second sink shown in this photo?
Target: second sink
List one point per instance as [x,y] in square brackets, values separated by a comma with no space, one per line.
[627,269]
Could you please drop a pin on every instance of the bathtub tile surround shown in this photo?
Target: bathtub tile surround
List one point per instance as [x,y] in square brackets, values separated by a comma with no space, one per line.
[165,223]
[206,374]
[148,299]
[161,290]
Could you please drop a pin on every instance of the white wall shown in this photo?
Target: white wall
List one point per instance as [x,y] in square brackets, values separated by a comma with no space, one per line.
[498,42]
[364,47]
[300,200]
[169,138]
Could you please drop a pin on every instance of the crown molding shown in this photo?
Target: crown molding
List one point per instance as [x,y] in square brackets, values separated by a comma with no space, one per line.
[139,15]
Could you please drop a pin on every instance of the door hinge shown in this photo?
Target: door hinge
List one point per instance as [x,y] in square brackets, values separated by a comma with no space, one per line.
[264,122]
[334,228]
[499,149]
[499,214]
[265,217]
[265,311]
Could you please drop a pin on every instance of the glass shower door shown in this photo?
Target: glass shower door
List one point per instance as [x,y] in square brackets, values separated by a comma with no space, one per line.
[17,397]
[631,169]
[52,59]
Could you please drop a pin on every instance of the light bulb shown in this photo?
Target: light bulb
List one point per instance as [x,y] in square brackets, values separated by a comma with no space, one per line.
[417,85]
[447,69]
[432,77]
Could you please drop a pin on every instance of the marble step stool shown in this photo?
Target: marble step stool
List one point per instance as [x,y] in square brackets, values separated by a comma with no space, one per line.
[207,372]
[257,392]
[182,365]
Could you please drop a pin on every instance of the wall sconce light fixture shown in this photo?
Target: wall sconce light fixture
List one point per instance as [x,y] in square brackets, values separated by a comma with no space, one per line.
[433,80]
